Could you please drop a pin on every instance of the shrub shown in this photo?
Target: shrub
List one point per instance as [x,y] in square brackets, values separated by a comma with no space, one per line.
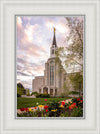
[45,95]
[63,95]
[73,92]
[38,95]
[42,95]
[18,95]
[28,94]
[34,93]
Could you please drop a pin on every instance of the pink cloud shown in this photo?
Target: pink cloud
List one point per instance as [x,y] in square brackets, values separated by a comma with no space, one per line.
[19,22]
[25,39]
[29,33]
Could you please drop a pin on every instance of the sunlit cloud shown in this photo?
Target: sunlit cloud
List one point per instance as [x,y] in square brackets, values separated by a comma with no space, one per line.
[29,30]
[50,24]
[62,28]
[19,22]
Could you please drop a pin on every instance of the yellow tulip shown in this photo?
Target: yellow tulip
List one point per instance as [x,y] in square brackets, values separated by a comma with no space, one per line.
[41,106]
[54,110]
[61,106]
[30,109]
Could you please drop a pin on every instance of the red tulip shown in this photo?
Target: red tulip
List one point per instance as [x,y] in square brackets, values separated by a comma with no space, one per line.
[81,100]
[45,100]
[70,107]
[74,104]
[22,109]
[26,109]
[78,99]
[62,103]
[45,107]
[46,110]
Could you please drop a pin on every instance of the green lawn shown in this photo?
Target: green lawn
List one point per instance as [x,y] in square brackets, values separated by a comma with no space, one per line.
[31,102]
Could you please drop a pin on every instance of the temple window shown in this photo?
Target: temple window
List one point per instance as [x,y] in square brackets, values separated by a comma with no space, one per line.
[51,75]
[52,51]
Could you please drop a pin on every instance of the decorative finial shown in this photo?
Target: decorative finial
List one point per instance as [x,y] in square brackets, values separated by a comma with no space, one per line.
[54,38]
[54,29]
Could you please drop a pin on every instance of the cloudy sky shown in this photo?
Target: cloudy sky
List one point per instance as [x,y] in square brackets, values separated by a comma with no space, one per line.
[34,38]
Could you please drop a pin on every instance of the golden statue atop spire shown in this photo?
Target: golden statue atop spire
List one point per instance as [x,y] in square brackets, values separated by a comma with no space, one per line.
[54,29]
[54,38]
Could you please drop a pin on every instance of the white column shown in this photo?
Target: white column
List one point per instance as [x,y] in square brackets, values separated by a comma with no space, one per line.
[42,90]
[48,90]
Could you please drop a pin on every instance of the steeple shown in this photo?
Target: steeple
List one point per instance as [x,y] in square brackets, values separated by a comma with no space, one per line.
[53,48]
[54,38]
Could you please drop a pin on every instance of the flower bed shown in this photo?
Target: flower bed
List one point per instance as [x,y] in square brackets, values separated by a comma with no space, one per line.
[74,108]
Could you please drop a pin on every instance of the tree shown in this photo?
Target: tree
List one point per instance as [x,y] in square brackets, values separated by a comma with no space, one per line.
[77,81]
[72,54]
[20,85]
[65,90]
[27,92]
[20,89]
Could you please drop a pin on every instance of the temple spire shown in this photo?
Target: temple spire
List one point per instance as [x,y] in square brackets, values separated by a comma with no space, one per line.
[54,38]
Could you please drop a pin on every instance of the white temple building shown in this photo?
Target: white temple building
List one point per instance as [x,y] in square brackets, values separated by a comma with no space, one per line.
[54,75]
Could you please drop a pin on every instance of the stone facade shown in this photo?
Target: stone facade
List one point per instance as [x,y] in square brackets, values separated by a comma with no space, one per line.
[37,83]
[53,79]
[54,76]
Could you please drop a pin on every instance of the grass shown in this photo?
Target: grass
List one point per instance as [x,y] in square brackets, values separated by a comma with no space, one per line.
[31,102]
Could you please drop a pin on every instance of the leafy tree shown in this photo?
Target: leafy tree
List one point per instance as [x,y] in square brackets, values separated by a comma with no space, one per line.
[20,85]
[20,89]
[28,92]
[73,92]
[77,81]
[72,54]
[65,89]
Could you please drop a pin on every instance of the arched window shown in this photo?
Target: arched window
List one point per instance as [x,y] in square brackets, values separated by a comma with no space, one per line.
[52,51]
[51,62]
[51,75]
[45,90]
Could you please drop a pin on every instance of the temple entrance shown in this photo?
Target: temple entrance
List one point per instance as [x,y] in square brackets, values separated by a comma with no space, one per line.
[51,91]
[55,91]
[45,90]
[39,90]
